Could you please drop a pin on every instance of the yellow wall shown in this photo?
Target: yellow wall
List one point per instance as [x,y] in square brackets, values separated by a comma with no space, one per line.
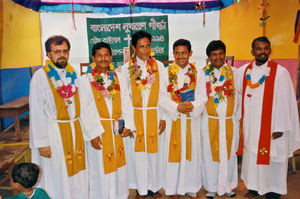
[240,25]
[21,40]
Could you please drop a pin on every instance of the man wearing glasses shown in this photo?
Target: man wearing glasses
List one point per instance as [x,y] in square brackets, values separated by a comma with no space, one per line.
[56,137]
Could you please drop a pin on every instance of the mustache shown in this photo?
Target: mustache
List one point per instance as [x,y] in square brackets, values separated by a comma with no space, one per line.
[263,54]
[104,61]
[219,59]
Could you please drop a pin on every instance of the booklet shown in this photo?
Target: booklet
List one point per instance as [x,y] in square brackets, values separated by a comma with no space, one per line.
[118,126]
[187,95]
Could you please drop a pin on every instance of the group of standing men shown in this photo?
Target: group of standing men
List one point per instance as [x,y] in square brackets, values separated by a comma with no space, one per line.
[181,123]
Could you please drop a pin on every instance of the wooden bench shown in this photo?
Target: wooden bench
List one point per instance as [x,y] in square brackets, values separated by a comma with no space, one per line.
[14,109]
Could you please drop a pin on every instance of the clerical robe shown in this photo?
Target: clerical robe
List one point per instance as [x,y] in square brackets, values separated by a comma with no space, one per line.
[183,176]
[103,183]
[220,176]
[45,131]
[145,169]
[270,177]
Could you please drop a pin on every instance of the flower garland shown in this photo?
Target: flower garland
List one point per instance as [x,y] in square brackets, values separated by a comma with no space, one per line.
[66,89]
[260,81]
[96,79]
[136,73]
[219,92]
[189,81]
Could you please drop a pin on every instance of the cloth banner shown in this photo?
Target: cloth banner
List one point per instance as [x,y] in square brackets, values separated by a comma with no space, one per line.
[117,33]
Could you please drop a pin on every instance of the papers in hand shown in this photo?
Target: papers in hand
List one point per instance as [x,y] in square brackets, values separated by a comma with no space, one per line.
[187,95]
[118,126]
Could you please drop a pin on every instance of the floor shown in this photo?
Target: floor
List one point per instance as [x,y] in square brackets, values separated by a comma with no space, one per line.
[9,150]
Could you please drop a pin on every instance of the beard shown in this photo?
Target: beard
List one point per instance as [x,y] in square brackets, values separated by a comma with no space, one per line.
[61,62]
[263,59]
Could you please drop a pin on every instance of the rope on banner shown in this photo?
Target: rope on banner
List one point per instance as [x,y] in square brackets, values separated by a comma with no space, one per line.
[73,16]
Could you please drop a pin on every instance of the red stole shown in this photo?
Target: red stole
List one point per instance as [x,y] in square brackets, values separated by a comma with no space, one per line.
[264,144]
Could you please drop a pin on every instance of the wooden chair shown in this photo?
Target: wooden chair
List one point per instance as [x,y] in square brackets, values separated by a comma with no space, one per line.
[230,60]
[83,68]
[33,69]
[167,62]
[5,171]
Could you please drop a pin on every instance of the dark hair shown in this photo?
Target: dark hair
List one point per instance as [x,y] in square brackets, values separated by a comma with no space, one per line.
[26,174]
[100,45]
[56,40]
[140,35]
[215,45]
[261,39]
[182,42]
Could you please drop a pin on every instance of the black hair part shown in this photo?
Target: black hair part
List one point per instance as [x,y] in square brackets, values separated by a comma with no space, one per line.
[100,45]
[56,40]
[140,35]
[182,42]
[261,39]
[215,45]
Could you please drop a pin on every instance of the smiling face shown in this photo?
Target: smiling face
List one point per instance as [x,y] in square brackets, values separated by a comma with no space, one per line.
[59,54]
[182,55]
[261,52]
[217,58]
[102,59]
[143,48]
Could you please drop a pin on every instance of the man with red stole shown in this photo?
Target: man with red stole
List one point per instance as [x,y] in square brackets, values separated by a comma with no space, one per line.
[56,137]
[105,101]
[220,125]
[143,80]
[270,123]
[183,99]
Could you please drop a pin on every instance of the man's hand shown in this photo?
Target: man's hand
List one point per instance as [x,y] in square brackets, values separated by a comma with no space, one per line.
[276,135]
[126,132]
[96,143]
[185,107]
[45,151]
[161,126]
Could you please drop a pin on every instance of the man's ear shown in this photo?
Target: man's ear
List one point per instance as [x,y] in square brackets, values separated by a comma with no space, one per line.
[252,52]
[133,48]
[191,53]
[208,59]
[93,58]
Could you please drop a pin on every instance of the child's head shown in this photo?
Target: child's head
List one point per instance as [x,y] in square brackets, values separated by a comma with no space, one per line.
[25,174]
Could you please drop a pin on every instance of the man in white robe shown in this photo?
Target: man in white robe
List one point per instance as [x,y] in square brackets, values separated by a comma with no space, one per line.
[183,99]
[220,125]
[270,121]
[105,182]
[145,157]
[56,139]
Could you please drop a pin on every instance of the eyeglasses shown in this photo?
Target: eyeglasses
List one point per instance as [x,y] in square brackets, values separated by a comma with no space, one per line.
[57,52]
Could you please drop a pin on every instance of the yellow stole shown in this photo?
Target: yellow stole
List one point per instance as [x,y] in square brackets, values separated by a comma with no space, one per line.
[151,115]
[75,160]
[175,139]
[112,159]
[213,124]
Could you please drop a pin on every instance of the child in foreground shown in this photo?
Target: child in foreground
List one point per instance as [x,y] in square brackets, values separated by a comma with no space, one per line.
[23,177]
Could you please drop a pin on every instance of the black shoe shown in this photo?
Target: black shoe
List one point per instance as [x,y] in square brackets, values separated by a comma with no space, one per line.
[272,195]
[210,195]
[231,194]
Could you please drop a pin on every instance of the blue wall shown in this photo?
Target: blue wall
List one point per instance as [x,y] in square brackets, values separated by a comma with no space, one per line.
[14,83]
